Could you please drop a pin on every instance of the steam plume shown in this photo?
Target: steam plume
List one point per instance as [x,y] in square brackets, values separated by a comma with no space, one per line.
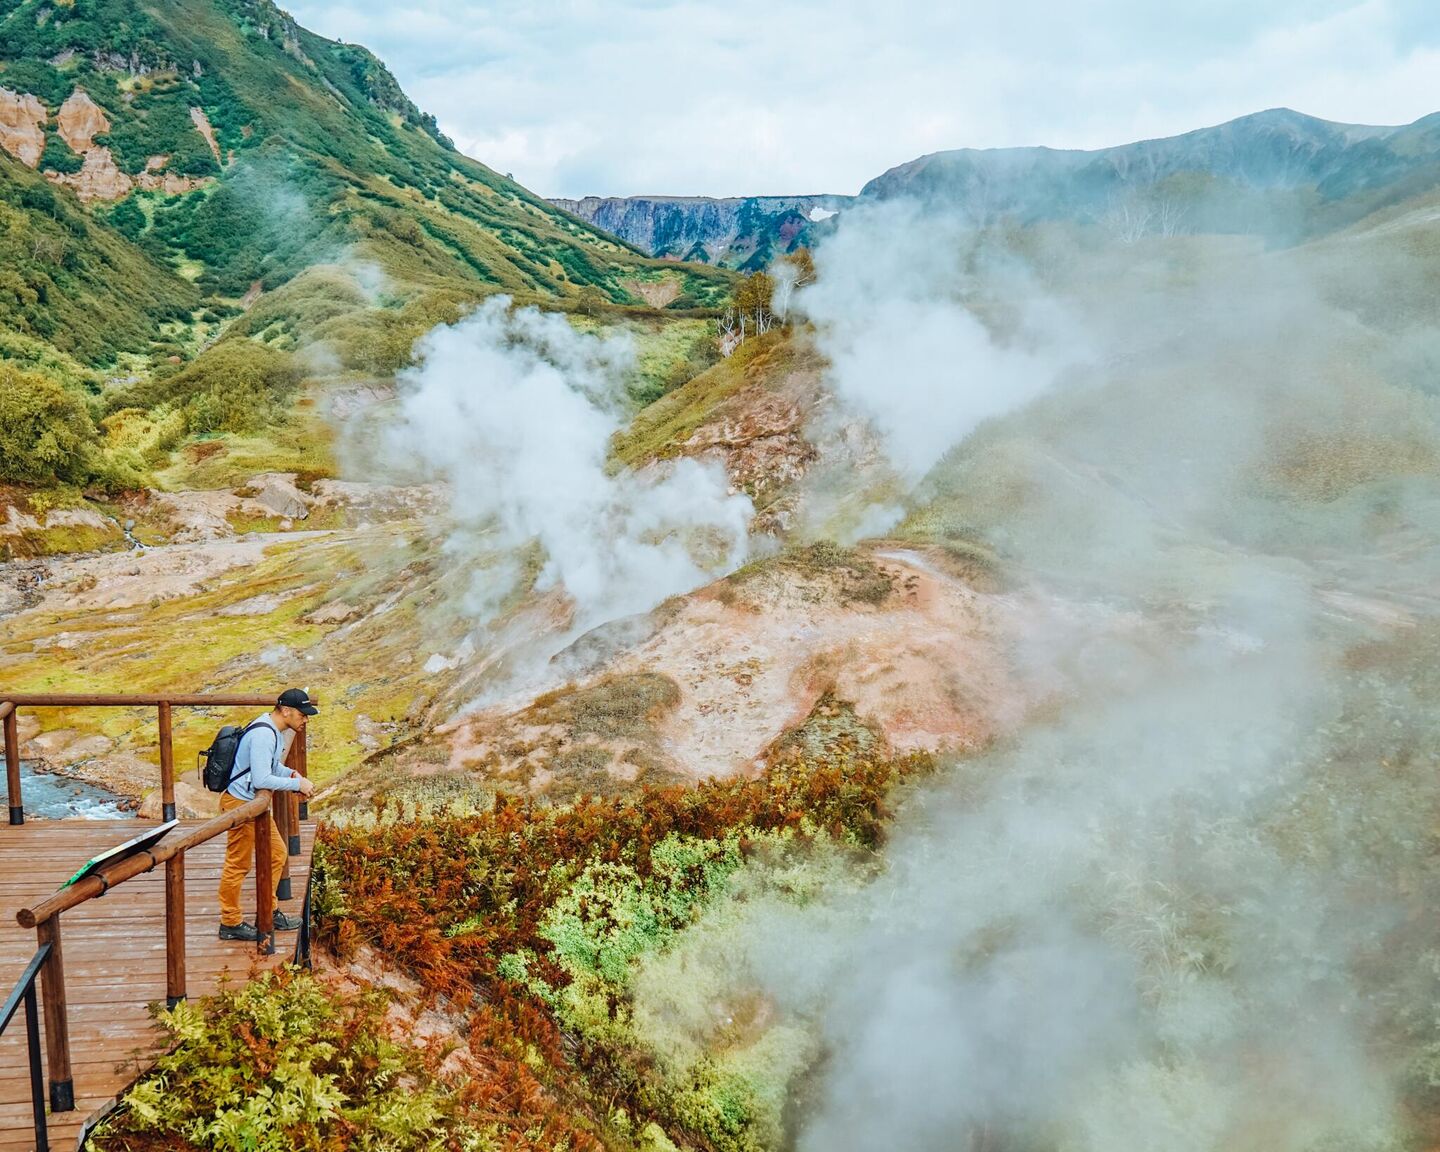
[514,409]
[906,350]
[1144,923]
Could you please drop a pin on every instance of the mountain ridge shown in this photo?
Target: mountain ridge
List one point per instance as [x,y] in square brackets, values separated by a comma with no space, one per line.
[1254,174]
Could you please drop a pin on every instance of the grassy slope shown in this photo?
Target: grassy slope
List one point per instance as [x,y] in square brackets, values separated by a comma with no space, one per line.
[321,149]
[332,193]
[74,293]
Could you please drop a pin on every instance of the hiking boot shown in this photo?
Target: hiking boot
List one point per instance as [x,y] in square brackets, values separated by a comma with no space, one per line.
[239,932]
[284,923]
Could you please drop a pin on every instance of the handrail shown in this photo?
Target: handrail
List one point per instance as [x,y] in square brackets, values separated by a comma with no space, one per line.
[100,882]
[45,918]
[24,991]
[18,993]
[12,702]
[126,700]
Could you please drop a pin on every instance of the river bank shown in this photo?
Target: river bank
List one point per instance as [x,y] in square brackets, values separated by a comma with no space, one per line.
[51,796]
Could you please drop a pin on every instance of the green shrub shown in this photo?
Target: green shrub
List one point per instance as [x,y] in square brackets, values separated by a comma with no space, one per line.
[128,218]
[46,434]
[280,1064]
[59,157]
[236,386]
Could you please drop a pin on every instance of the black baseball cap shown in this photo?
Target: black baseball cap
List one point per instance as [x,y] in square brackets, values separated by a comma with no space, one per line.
[298,699]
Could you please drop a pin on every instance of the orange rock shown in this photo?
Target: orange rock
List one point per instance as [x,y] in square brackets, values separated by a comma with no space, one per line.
[22,126]
[79,120]
[98,179]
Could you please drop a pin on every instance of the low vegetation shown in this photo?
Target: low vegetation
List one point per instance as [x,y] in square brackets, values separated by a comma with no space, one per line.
[538,924]
[283,1063]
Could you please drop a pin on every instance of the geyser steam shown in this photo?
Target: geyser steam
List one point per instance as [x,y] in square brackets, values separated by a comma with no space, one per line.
[514,410]
[905,347]
[1162,917]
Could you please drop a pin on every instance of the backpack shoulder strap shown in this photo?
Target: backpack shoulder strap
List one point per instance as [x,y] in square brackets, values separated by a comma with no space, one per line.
[240,740]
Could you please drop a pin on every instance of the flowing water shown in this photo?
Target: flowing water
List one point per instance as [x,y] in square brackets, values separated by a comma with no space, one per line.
[51,797]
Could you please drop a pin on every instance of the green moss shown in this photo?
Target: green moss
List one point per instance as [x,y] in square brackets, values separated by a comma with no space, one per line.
[63,539]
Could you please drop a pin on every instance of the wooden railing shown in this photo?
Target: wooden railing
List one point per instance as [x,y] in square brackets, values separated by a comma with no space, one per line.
[287,815]
[11,703]
[44,917]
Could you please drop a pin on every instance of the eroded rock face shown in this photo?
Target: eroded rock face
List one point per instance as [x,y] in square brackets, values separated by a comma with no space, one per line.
[80,119]
[202,125]
[657,293]
[171,183]
[22,126]
[99,177]
[760,439]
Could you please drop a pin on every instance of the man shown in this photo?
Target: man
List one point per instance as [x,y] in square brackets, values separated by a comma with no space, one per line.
[258,767]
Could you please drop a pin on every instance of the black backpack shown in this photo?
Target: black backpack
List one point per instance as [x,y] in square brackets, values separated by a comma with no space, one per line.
[218,767]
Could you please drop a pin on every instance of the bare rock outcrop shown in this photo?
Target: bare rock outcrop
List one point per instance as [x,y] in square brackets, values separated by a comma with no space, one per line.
[381,501]
[656,293]
[79,121]
[22,126]
[277,494]
[99,177]
[17,523]
[171,183]
[202,125]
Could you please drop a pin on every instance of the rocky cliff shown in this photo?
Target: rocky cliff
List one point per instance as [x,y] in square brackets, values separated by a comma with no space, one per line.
[738,232]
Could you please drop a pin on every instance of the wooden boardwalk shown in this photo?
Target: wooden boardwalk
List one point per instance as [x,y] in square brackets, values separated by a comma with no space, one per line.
[114,955]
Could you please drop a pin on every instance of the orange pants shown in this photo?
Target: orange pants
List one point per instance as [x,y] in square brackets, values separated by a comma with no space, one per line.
[239,855]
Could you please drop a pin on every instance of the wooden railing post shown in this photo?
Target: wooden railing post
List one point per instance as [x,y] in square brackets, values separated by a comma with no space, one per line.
[302,766]
[175,930]
[167,765]
[294,802]
[264,885]
[283,825]
[12,762]
[57,1027]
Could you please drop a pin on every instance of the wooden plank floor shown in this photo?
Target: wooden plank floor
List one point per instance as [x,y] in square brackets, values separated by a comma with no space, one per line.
[114,949]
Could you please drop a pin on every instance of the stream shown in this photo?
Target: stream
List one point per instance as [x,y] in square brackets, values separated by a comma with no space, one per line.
[51,797]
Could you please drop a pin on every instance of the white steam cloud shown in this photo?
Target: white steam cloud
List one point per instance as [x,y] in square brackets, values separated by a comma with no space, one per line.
[893,316]
[514,409]
[1162,917]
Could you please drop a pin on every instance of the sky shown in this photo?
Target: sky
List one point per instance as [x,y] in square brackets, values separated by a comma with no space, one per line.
[775,97]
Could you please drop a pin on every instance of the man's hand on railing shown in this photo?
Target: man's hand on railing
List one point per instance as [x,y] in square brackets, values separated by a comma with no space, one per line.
[307,786]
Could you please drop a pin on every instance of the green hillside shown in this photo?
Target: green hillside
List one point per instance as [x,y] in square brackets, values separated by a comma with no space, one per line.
[211,171]
[72,292]
[318,146]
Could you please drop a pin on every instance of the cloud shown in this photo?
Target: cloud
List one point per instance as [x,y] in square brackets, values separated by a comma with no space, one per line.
[749,97]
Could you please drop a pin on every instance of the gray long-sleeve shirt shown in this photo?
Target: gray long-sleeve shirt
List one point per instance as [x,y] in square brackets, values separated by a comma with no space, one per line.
[261,751]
